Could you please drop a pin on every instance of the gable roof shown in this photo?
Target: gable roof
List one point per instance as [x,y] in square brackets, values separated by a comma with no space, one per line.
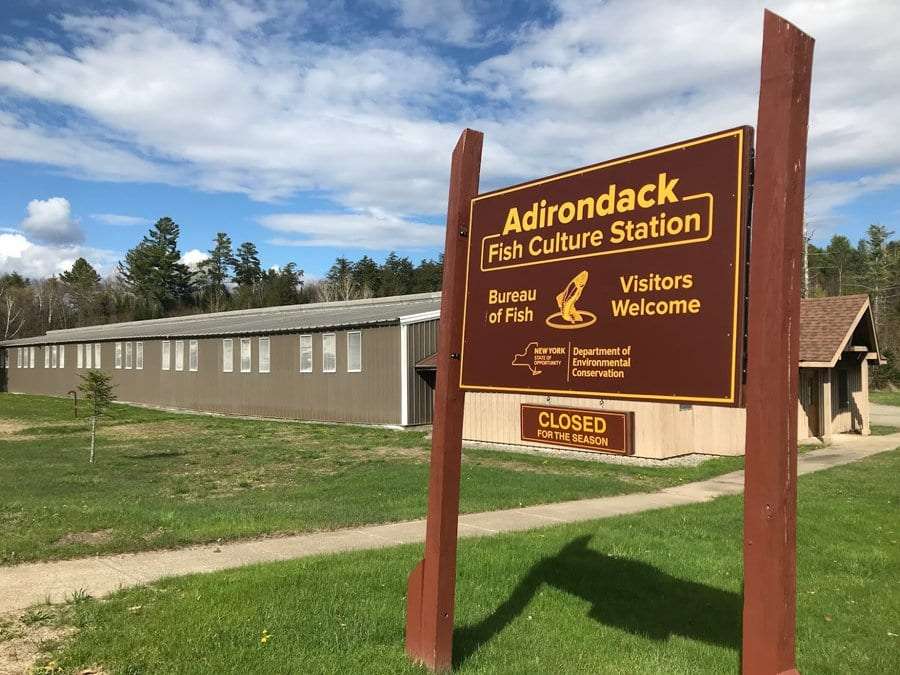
[828,324]
[262,321]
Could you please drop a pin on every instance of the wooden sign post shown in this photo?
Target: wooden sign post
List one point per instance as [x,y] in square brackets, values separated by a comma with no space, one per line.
[431,589]
[770,473]
[649,245]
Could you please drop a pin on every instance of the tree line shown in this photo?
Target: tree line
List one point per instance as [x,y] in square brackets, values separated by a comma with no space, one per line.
[872,267]
[152,282]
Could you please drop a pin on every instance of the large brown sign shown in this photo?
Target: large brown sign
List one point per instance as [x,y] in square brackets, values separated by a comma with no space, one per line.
[619,280]
[603,431]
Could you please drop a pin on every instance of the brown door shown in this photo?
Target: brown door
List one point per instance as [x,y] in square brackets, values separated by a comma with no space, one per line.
[811,401]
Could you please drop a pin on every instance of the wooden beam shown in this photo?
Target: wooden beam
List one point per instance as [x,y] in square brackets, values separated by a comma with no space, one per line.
[770,491]
[431,588]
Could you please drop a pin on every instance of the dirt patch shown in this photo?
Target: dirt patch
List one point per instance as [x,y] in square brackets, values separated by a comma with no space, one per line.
[10,427]
[21,644]
[392,452]
[98,537]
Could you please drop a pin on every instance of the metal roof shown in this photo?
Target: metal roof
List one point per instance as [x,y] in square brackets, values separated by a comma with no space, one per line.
[266,320]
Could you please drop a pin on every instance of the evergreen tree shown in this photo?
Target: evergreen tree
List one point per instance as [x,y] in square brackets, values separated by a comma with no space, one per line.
[98,390]
[367,277]
[82,285]
[282,286]
[396,275]
[247,269]
[214,273]
[428,275]
[152,270]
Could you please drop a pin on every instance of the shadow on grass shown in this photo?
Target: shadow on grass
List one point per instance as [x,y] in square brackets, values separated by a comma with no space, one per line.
[162,454]
[626,594]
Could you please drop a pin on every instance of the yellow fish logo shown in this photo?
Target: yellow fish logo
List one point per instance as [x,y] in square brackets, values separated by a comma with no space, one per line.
[570,295]
[569,316]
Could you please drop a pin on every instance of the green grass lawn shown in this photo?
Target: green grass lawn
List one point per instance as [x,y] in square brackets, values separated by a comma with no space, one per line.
[167,479]
[658,592]
[885,397]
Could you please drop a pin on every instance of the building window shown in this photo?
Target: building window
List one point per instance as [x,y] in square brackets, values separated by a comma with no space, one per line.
[54,357]
[97,352]
[179,354]
[227,355]
[87,356]
[139,355]
[33,354]
[306,354]
[18,357]
[263,357]
[46,356]
[354,351]
[166,355]
[118,355]
[62,356]
[843,387]
[193,356]
[246,350]
[129,355]
[79,356]
[329,353]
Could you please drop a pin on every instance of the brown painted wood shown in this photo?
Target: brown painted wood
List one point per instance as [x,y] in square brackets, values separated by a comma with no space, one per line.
[770,488]
[431,588]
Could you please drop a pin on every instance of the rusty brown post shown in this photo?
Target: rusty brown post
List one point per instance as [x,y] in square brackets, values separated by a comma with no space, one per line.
[431,588]
[770,480]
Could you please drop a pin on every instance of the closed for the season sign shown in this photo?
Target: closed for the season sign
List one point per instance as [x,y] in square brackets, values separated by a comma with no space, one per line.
[600,430]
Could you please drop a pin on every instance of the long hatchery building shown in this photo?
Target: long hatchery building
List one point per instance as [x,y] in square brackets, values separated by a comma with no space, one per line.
[373,361]
[350,361]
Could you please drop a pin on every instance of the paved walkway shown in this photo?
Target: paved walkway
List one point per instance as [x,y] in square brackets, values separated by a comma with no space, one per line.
[888,415]
[24,585]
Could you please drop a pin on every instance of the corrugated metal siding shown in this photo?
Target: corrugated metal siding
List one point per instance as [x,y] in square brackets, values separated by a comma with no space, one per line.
[422,342]
[370,396]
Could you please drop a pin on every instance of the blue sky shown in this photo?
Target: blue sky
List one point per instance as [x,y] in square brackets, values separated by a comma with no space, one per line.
[324,128]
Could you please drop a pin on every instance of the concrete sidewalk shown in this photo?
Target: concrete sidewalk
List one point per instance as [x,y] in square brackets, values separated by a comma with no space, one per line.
[25,585]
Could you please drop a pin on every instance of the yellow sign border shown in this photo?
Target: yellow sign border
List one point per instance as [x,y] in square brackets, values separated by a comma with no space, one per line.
[740,132]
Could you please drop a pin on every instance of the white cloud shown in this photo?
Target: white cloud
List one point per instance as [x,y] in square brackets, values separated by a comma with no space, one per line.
[371,125]
[119,219]
[374,230]
[31,259]
[193,258]
[50,220]
[446,21]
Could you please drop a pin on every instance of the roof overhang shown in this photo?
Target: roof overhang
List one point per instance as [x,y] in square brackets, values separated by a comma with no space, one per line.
[420,317]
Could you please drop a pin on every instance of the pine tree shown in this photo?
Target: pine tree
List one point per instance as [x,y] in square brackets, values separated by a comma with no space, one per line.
[214,273]
[428,275]
[152,270]
[82,285]
[247,269]
[396,275]
[97,388]
[282,286]
[367,276]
